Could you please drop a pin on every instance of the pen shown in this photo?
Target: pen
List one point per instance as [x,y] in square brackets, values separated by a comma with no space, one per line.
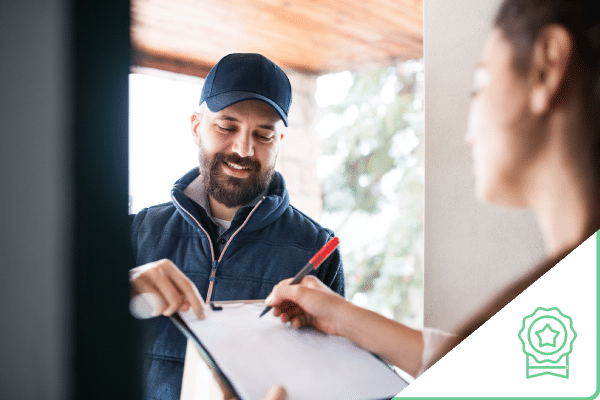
[313,263]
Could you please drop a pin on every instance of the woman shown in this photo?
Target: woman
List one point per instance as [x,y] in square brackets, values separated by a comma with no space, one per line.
[534,129]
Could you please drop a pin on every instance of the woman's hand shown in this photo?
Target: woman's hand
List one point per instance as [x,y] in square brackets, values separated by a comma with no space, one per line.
[312,303]
[309,303]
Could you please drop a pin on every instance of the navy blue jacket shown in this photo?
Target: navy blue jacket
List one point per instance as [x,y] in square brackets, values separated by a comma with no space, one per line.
[268,242]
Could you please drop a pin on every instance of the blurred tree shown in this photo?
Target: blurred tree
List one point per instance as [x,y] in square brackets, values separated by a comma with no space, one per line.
[373,196]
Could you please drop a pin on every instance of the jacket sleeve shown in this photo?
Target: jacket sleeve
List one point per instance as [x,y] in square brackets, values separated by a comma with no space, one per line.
[332,272]
[136,221]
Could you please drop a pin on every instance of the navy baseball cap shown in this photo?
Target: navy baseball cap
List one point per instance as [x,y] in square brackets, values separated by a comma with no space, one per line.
[247,76]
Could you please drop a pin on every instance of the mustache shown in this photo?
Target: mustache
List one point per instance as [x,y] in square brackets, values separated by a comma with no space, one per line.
[233,158]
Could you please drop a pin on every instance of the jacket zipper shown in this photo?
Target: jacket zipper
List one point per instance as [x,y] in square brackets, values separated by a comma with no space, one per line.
[212,251]
[214,266]
[214,263]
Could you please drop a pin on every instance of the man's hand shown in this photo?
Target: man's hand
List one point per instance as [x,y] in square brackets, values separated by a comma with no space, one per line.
[165,282]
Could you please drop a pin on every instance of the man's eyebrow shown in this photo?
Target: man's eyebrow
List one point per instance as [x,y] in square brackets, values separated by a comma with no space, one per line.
[227,118]
[270,127]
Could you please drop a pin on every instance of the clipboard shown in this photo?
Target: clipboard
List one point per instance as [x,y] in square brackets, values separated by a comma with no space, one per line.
[248,355]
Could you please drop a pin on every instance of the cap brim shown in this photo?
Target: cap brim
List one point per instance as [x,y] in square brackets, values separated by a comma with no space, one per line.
[224,100]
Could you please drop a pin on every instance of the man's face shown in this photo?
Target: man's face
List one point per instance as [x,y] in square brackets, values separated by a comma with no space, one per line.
[237,150]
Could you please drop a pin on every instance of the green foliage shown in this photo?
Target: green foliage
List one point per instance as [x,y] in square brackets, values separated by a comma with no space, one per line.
[374,195]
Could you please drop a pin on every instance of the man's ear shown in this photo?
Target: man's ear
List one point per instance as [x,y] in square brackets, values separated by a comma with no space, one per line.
[195,120]
[552,55]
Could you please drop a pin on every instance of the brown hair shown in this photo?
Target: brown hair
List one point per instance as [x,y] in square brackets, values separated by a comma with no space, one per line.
[521,21]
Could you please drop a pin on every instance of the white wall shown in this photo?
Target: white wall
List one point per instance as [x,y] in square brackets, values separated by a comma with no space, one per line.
[471,249]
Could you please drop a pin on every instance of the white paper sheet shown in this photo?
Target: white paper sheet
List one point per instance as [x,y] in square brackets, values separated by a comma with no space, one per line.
[258,353]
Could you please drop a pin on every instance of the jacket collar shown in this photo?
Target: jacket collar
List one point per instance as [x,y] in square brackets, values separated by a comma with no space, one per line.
[268,208]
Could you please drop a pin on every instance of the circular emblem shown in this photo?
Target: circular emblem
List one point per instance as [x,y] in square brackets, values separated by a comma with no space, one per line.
[547,335]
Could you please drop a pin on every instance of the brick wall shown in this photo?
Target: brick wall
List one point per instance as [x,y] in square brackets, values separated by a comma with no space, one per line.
[301,147]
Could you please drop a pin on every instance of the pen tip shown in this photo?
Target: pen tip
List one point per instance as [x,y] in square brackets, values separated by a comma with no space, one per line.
[266,310]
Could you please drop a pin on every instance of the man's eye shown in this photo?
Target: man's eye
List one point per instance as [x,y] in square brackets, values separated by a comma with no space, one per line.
[263,138]
[225,128]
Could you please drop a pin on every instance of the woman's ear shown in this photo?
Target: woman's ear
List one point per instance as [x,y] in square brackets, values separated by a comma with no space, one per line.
[551,60]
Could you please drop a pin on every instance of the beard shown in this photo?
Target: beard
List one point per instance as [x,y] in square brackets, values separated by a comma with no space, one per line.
[228,190]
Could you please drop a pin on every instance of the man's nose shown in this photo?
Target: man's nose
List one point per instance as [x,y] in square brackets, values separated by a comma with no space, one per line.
[243,145]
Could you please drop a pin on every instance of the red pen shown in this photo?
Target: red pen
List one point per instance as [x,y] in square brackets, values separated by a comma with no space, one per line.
[313,263]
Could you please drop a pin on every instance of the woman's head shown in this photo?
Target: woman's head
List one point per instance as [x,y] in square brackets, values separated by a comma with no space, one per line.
[537,78]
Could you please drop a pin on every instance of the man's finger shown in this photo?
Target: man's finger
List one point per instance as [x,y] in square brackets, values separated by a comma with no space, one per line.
[188,289]
[142,285]
[167,289]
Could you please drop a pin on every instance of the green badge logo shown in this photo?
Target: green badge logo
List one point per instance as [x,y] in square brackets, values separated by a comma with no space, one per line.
[547,336]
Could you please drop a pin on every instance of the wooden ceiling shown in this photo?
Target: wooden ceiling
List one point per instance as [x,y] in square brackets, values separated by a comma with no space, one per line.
[311,36]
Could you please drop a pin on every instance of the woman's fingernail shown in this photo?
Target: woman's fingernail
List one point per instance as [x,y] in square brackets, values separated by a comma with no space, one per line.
[268,300]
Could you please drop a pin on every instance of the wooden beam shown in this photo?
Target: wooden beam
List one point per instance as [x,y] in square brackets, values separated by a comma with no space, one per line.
[311,36]
[176,63]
